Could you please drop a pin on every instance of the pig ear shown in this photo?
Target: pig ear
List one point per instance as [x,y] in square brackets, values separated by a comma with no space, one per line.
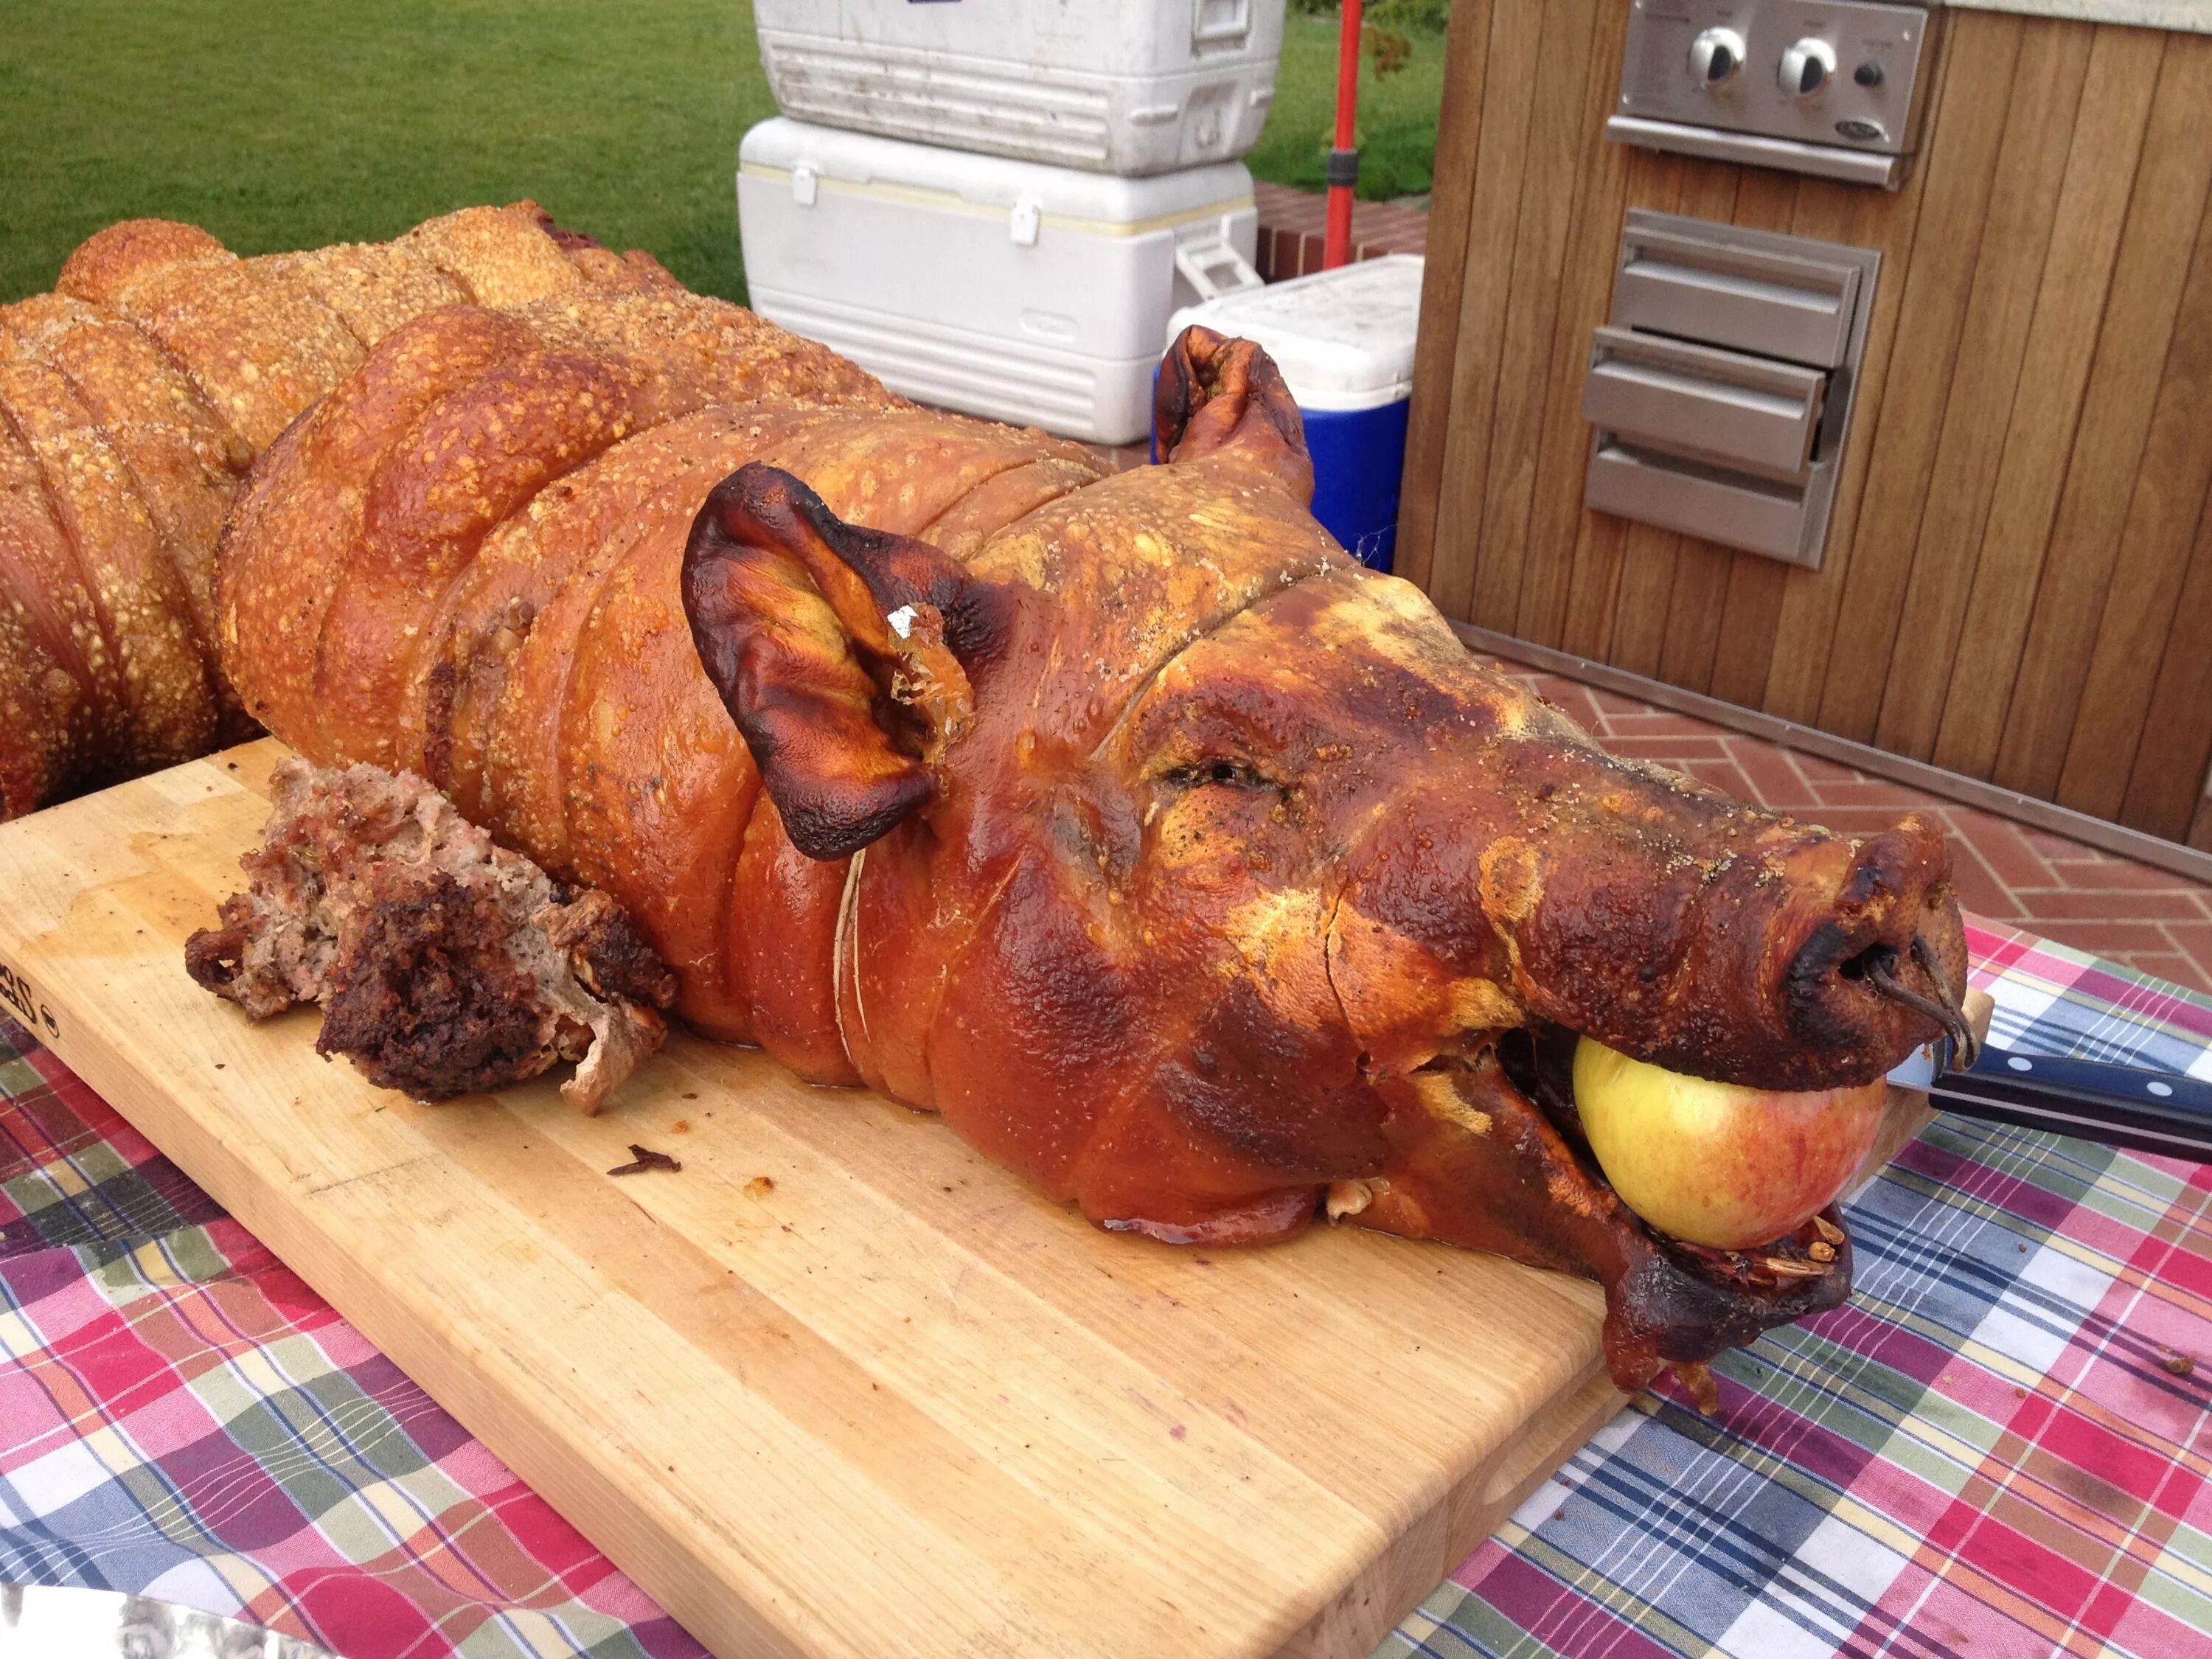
[817,633]
[1217,395]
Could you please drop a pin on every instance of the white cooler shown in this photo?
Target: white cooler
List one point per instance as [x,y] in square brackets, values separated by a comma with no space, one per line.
[1128,87]
[1030,294]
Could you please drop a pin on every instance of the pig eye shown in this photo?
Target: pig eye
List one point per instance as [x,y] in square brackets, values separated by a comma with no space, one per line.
[1233,773]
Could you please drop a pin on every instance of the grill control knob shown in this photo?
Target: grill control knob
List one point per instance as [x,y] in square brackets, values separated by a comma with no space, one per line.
[1807,67]
[1715,56]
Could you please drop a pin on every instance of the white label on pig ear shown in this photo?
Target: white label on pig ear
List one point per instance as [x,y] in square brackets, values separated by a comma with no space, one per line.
[902,621]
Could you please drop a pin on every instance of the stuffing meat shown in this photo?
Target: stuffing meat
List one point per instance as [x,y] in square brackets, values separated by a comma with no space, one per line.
[444,965]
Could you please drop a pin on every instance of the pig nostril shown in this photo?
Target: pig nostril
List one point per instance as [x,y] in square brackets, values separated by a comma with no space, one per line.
[1942,1008]
[1875,959]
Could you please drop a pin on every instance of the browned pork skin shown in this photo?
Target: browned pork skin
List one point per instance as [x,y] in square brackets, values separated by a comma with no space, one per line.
[1184,865]
[133,400]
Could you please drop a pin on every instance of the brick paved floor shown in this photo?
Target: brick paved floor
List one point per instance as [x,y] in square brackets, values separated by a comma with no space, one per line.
[1292,223]
[2154,921]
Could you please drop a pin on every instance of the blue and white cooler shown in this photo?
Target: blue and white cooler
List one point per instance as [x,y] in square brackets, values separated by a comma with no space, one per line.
[1344,340]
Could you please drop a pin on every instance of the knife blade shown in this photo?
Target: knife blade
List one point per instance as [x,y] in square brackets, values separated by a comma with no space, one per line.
[2143,1109]
[68,1621]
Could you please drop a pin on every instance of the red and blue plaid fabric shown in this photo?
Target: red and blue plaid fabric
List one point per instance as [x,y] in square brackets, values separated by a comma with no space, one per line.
[181,1416]
[1998,1449]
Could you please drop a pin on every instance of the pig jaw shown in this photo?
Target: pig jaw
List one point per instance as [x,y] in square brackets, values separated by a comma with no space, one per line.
[1467,1034]
[1474,1163]
[1520,887]
[1468,1020]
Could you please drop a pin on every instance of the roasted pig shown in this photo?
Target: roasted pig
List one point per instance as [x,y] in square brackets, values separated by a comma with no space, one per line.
[1183,865]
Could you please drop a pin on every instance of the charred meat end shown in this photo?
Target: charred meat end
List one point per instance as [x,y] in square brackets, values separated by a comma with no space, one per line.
[444,965]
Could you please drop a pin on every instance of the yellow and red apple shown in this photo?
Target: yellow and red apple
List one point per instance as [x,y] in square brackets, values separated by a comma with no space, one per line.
[1716,1164]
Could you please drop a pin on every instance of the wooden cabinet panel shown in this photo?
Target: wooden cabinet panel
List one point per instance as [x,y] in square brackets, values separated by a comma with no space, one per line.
[1459,131]
[1493,223]
[1585,291]
[1550,167]
[2148,668]
[2015,398]
[2145,616]
[2089,487]
[2017,581]
[1976,131]
[2166,777]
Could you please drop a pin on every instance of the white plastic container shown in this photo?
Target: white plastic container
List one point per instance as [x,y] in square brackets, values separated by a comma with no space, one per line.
[1128,87]
[1029,294]
[1344,340]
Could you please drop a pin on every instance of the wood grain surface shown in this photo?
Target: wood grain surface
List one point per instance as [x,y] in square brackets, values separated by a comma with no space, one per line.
[2015,573]
[840,1385]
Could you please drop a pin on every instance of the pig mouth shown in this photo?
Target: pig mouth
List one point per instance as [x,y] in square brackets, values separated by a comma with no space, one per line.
[1537,1060]
[1674,1302]
[1669,1303]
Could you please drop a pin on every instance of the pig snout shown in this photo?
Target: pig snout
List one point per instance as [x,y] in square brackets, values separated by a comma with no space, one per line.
[1798,961]
[1883,968]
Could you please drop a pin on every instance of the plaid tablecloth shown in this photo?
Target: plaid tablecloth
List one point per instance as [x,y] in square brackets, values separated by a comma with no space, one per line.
[1997,1449]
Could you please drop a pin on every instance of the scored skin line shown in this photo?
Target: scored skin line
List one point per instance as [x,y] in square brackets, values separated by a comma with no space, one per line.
[43,350]
[108,654]
[1014,465]
[1198,639]
[949,971]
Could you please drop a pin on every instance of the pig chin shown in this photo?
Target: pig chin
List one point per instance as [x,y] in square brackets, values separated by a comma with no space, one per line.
[1487,1152]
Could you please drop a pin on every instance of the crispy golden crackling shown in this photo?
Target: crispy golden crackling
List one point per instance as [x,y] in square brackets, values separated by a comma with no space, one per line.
[134,400]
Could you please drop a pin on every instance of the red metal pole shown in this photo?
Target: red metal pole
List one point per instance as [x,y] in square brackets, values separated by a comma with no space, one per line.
[1344,158]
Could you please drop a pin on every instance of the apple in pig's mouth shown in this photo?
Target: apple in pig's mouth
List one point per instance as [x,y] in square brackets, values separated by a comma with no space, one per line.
[1717,1164]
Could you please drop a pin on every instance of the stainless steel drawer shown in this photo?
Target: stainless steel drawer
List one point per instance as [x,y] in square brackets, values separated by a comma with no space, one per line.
[1780,305]
[1753,414]
[1721,389]
[1679,494]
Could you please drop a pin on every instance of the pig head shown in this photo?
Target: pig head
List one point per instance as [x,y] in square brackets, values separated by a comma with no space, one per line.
[1201,874]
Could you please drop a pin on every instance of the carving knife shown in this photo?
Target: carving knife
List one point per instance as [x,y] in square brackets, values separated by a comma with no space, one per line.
[2143,1111]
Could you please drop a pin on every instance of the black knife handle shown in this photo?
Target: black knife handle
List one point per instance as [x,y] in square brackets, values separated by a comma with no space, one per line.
[2164,1092]
[2117,1105]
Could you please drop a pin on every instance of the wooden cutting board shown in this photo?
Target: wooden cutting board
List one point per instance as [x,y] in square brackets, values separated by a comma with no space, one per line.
[840,1385]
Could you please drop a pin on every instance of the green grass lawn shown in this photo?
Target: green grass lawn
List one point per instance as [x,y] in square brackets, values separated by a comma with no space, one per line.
[284,125]
[1397,114]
